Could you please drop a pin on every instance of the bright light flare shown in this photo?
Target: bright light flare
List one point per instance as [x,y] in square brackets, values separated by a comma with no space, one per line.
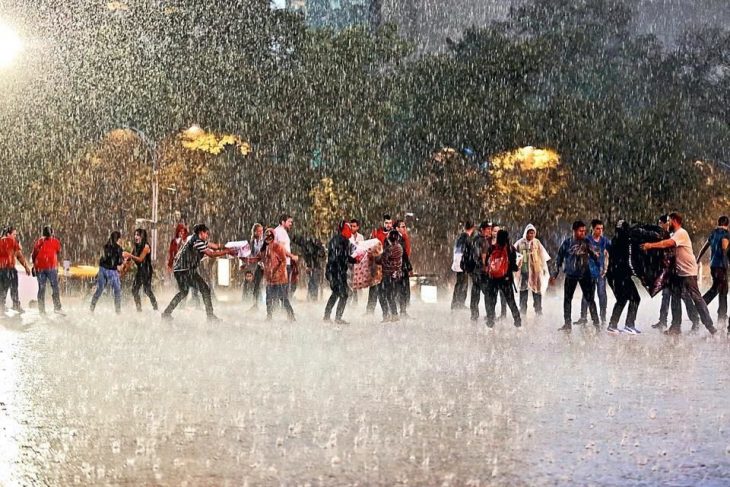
[10,45]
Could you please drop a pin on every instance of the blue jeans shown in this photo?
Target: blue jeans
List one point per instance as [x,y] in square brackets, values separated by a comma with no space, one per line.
[602,300]
[110,277]
[48,275]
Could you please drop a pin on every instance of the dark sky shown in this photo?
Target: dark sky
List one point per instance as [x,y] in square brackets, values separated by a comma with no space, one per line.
[431,21]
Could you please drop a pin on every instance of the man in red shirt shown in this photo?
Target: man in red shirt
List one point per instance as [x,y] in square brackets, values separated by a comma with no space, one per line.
[45,262]
[10,249]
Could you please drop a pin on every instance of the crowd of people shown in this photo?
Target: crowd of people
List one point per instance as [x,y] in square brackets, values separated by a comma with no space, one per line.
[661,256]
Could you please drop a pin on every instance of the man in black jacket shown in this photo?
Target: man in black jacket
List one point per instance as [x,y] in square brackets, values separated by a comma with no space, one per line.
[339,252]
[458,301]
[619,280]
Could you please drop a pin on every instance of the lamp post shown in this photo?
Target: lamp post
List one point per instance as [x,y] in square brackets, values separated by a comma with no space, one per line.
[152,148]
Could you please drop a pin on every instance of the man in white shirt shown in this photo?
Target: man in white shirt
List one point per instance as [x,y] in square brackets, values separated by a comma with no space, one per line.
[684,279]
[281,235]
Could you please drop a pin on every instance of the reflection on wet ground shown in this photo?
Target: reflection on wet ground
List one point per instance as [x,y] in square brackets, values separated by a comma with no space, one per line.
[430,401]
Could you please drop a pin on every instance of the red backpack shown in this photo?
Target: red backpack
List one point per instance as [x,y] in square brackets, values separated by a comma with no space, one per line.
[498,264]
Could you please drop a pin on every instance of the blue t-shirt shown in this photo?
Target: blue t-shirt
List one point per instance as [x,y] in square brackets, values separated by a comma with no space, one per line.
[718,258]
[600,246]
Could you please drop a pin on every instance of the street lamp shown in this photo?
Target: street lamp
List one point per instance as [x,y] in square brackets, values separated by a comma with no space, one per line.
[10,45]
[152,147]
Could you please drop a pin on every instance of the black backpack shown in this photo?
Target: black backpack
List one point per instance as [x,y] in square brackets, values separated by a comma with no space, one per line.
[470,256]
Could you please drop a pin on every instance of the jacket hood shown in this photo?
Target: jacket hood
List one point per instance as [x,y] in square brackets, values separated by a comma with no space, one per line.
[529,227]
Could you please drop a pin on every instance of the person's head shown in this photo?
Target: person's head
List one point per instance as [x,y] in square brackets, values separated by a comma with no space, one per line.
[400,225]
[269,235]
[202,231]
[140,236]
[387,223]
[257,231]
[597,226]
[10,231]
[675,221]
[485,229]
[393,236]
[469,227]
[579,229]
[723,221]
[345,229]
[355,225]
[286,221]
[502,238]
[181,231]
[248,276]
[530,232]
[47,231]
[664,221]
[115,237]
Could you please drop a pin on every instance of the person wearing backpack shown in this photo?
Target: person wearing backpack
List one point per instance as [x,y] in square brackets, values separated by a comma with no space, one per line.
[475,262]
[501,263]
[575,253]
[461,246]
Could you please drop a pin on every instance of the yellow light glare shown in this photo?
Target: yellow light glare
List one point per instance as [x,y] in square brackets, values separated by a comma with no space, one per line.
[10,45]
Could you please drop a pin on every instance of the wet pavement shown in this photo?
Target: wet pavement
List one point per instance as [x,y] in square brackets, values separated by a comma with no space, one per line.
[436,400]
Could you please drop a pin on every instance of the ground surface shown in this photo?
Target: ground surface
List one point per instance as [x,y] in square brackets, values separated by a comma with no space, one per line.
[437,400]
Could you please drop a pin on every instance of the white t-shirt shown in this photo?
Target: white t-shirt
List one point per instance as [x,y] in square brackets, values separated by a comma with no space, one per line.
[357,238]
[281,236]
[685,257]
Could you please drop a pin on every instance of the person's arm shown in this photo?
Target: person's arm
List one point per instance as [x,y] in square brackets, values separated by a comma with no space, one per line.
[138,259]
[725,244]
[213,253]
[707,246]
[558,262]
[21,258]
[663,244]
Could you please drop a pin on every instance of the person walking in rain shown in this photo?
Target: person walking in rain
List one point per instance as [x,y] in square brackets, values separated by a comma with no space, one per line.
[10,250]
[392,260]
[281,235]
[533,269]
[619,279]
[339,256]
[718,242]
[684,279]
[598,272]
[45,262]
[461,288]
[185,269]
[110,265]
[275,272]
[381,234]
[142,256]
[575,253]
[478,263]
[501,264]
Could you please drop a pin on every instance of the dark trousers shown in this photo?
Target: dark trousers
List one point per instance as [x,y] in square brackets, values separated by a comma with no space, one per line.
[186,281]
[315,277]
[719,288]
[339,296]
[143,280]
[48,276]
[373,293]
[504,288]
[625,291]
[587,287]
[9,281]
[600,290]
[479,286]
[694,317]
[403,290]
[388,296]
[280,293]
[461,288]
[688,285]
[258,276]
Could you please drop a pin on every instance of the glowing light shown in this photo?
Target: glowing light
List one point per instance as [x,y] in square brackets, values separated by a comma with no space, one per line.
[10,45]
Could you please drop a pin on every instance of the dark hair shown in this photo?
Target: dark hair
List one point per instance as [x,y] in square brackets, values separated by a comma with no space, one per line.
[503,237]
[114,236]
[248,273]
[200,227]
[723,221]
[596,222]
[676,216]
[386,217]
[47,231]
[485,225]
[354,221]
[142,233]
[468,225]
[8,230]
[663,219]
[284,217]
[394,236]
[578,224]
[495,224]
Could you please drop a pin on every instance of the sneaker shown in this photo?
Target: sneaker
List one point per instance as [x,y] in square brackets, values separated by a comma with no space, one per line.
[612,330]
[340,321]
[489,325]
[712,329]
[518,324]
[327,319]
[213,319]
[395,319]
[695,328]
[386,319]
[475,318]
[634,330]
[566,328]
[659,325]
[630,330]
[18,310]
[673,330]
[581,321]
[166,317]
[59,312]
